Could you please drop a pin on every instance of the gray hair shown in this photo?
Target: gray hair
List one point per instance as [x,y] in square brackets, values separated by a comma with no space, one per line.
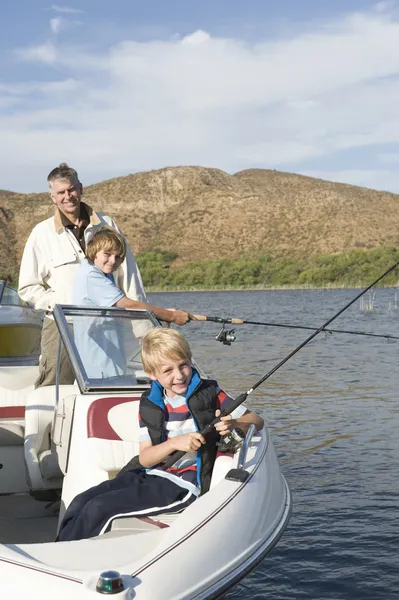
[63,172]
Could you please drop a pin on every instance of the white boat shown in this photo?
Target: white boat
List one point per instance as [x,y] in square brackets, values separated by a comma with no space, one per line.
[74,437]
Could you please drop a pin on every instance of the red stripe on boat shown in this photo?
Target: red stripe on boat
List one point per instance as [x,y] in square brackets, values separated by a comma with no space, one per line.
[12,412]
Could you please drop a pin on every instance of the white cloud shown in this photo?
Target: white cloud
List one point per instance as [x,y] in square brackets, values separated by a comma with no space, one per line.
[214,101]
[56,24]
[45,53]
[67,9]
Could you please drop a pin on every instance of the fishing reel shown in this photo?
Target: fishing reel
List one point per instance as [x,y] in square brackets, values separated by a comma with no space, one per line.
[232,441]
[226,336]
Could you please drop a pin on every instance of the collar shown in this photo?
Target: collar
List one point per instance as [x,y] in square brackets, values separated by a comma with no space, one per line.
[156,393]
[61,221]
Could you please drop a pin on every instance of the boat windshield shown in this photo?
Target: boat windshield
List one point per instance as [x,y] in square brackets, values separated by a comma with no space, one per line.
[9,296]
[103,345]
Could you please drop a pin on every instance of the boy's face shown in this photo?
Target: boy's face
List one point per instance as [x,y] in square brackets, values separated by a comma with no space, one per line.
[107,262]
[174,376]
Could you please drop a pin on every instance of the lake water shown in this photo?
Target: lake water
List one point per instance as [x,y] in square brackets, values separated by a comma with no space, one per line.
[333,410]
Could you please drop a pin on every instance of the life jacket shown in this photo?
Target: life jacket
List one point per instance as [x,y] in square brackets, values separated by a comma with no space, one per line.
[201,398]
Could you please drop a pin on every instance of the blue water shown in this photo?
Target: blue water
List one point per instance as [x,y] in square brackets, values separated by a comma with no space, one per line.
[333,411]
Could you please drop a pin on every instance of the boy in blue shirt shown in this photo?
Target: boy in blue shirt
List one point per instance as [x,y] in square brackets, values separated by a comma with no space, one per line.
[100,341]
[179,404]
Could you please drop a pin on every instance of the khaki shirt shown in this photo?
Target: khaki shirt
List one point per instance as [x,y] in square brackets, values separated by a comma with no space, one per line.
[52,256]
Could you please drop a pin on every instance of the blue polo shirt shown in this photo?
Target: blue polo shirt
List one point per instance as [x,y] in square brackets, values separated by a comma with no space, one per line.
[99,340]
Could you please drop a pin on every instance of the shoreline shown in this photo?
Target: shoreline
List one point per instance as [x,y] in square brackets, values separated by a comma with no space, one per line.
[288,287]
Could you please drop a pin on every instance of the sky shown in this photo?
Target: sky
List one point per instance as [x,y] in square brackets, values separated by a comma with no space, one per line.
[113,88]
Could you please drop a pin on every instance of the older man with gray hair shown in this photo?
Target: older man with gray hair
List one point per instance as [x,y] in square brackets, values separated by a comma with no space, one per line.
[52,255]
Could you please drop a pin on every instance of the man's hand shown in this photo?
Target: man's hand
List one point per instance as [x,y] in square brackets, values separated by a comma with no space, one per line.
[188,442]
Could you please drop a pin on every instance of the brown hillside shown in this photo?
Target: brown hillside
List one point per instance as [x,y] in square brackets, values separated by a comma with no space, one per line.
[206,213]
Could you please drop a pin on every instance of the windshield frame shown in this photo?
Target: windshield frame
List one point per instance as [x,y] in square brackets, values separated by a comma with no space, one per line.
[2,288]
[90,385]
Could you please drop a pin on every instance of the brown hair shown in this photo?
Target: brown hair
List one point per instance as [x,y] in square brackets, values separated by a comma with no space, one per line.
[105,239]
[63,172]
[163,343]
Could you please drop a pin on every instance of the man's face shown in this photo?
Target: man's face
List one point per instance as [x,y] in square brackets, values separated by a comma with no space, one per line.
[66,195]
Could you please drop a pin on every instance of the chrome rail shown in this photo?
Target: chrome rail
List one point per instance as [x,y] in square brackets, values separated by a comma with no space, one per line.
[242,457]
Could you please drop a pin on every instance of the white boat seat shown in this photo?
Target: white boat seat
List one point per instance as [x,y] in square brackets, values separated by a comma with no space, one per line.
[223,464]
[40,453]
[16,383]
[113,432]
[19,377]
[113,437]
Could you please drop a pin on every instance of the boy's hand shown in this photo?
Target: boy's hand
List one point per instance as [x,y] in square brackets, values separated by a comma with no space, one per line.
[225,425]
[180,317]
[188,442]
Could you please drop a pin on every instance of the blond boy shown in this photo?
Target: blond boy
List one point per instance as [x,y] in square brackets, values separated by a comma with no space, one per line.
[179,404]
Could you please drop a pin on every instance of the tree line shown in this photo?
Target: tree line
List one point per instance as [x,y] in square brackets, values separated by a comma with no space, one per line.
[355,268]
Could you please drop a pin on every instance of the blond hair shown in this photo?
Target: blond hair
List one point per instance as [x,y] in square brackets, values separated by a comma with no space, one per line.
[105,239]
[64,173]
[161,344]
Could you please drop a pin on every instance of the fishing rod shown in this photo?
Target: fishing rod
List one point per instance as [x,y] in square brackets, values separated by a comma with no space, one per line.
[176,455]
[235,321]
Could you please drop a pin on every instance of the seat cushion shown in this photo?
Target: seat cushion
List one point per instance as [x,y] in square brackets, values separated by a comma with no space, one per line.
[113,431]
[48,463]
[18,378]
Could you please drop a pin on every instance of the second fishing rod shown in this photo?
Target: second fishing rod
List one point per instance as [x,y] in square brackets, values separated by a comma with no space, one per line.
[244,395]
[236,321]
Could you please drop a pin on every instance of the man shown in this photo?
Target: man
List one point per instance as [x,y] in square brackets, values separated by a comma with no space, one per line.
[52,255]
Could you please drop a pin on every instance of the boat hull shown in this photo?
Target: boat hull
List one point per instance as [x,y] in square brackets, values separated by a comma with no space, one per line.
[209,548]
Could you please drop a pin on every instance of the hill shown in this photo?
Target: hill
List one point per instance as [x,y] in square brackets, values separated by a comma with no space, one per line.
[203,213]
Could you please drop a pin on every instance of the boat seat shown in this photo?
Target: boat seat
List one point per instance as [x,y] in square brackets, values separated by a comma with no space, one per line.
[223,464]
[113,432]
[16,383]
[40,453]
[18,377]
[113,436]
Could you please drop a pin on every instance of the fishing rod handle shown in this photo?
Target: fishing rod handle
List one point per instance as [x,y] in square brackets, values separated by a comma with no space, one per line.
[217,319]
[177,454]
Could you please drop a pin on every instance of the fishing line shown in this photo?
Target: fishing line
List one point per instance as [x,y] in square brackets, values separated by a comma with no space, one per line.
[235,321]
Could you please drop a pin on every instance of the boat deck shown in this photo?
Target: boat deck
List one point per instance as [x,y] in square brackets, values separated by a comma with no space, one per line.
[24,520]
